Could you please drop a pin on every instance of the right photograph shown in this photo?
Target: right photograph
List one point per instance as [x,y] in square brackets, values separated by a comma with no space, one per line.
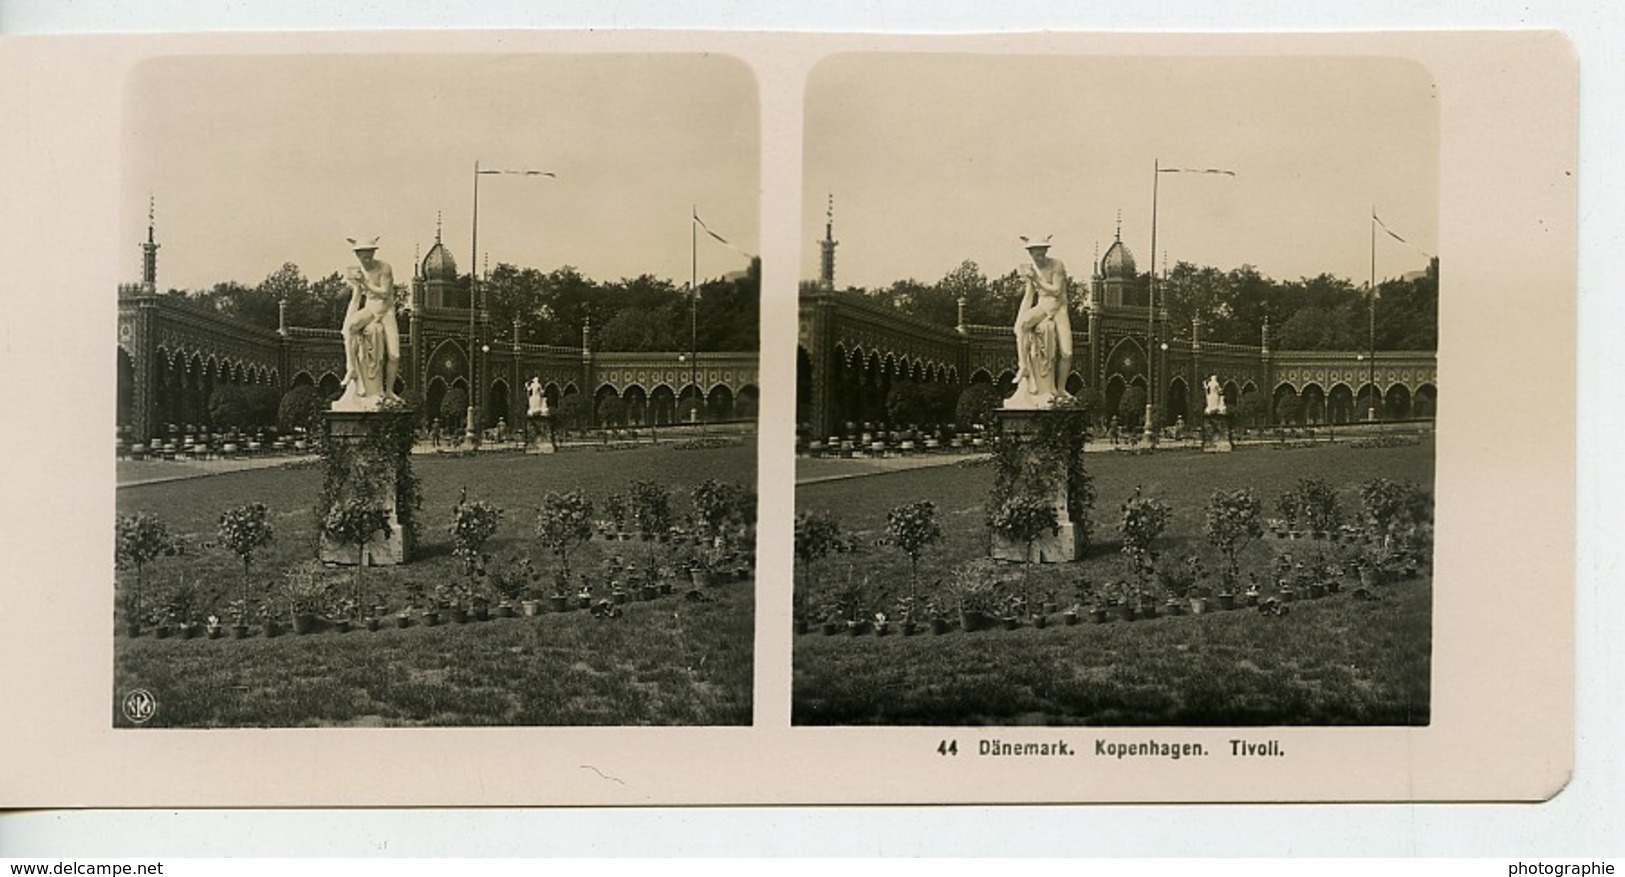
[1117,379]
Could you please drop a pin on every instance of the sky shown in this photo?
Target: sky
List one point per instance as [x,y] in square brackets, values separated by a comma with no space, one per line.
[257,161]
[933,159]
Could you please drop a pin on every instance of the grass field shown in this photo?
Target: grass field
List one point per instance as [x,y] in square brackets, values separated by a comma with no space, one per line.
[667,661]
[1331,661]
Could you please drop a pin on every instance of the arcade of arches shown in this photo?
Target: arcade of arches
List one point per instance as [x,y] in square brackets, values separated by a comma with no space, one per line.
[173,356]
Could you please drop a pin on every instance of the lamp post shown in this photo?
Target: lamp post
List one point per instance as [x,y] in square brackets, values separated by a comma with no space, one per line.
[1157,170]
[1371,368]
[470,433]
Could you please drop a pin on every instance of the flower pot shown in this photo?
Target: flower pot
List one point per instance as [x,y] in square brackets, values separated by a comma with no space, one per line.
[530,608]
[1040,621]
[1333,586]
[939,626]
[401,622]
[459,615]
[1069,618]
[666,588]
[1148,610]
[161,631]
[1368,577]
[189,631]
[1252,598]
[1288,595]
[830,628]
[1317,591]
[1097,615]
[584,601]
[971,620]
[239,631]
[910,627]
[855,628]
[619,596]
[215,632]
[1227,601]
[431,617]
[1049,607]
[1173,608]
[304,623]
[1011,622]
[882,628]
[505,610]
[1198,605]
[799,626]
[559,602]
[272,628]
[132,630]
[342,625]
[1125,611]
[701,578]
[372,624]
[650,592]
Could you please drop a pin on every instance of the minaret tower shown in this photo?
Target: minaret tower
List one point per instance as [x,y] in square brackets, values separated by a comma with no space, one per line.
[826,265]
[149,253]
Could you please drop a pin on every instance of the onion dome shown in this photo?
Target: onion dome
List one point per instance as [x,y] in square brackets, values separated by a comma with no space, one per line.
[1118,263]
[438,264]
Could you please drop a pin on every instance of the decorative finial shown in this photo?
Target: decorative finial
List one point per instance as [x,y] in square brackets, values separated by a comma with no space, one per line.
[829,213]
[1119,223]
[437,223]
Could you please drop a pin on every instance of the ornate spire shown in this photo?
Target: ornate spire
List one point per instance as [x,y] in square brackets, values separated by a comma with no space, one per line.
[437,224]
[826,265]
[1119,223]
[149,250]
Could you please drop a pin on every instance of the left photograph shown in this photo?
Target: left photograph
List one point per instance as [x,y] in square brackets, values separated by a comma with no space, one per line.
[437,391]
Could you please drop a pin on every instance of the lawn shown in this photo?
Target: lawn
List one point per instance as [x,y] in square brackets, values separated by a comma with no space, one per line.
[672,660]
[1331,661]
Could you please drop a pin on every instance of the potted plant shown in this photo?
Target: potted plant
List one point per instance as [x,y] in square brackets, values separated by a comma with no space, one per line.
[616,506]
[1071,615]
[513,584]
[1234,518]
[213,628]
[244,530]
[817,535]
[1319,506]
[831,624]
[1141,521]
[343,612]
[882,624]
[266,614]
[911,527]
[584,593]
[403,618]
[237,611]
[939,624]
[305,590]
[563,524]
[139,539]
[650,508]
[1179,579]
[971,584]
[1289,507]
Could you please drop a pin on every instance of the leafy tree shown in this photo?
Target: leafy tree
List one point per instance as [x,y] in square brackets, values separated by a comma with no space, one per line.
[912,527]
[612,412]
[563,524]
[138,540]
[1024,518]
[299,408]
[976,404]
[907,403]
[245,530]
[1234,518]
[1131,407]
[1143,520]
[472,525]
[454,408]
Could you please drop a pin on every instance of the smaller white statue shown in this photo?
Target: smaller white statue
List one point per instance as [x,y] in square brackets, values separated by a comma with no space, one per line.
[1215,395]
[538,399]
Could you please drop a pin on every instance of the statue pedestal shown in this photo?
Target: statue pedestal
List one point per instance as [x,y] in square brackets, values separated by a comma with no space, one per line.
[367,467]
[1216,434]
[1068,544]
[539,437]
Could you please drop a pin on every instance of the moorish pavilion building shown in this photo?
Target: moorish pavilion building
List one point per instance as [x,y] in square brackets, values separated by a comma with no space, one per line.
[173,353]
[851,352]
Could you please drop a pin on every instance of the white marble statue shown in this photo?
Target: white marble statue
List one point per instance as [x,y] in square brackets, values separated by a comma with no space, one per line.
[372,338]
[1215,395]
[537,399]
[1043,330]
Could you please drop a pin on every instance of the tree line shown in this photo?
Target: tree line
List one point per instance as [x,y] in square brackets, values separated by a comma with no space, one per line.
[1312,313]
[644,313]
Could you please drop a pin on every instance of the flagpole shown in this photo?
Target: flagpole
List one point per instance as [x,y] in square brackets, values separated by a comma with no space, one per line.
[471,435]
[694,308]
[1150,307]
[1371,366]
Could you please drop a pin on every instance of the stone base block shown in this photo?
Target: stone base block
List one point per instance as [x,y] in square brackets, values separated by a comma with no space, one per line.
[1062,547]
